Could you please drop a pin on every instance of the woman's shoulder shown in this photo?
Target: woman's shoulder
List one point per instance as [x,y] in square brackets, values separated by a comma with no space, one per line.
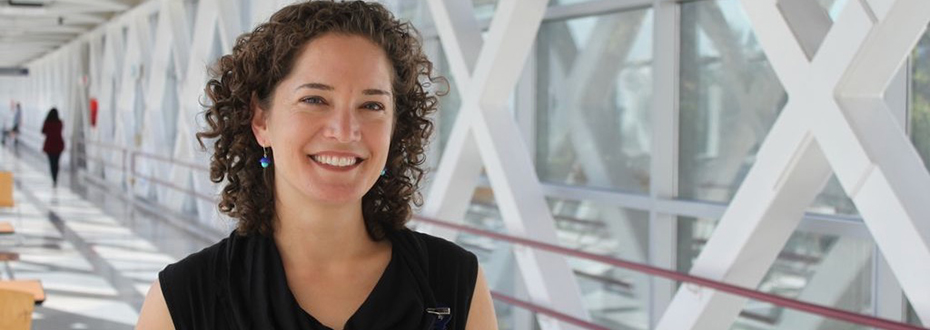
[446,260]
[442,249]
[193,286]
[52,124]
[196,263]
[207,268]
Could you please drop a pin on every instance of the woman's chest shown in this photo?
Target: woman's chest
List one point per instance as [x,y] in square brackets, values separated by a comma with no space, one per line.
[332,303]
[332,298]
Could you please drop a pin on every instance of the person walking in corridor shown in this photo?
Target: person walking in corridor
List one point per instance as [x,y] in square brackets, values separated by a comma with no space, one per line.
[54,143]
[12,133]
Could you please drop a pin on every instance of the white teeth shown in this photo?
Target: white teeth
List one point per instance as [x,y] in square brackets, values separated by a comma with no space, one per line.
[335,161]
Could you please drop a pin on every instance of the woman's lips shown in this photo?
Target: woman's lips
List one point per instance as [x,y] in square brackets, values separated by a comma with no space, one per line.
[336,162]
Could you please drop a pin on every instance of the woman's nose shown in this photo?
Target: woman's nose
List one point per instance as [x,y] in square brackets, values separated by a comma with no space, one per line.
[343,126]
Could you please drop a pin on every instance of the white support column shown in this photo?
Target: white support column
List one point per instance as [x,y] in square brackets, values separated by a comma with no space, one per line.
[891,194]
[461,40]
[194,79]
[663,182]
[80,114]
[136,109]
[887,296]
[108,106]
[154,133]
[181,39]
[229,24]
[95,79]
[261,11]
[130,73]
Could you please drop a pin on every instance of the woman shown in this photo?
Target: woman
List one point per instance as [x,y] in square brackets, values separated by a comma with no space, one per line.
[320,120]
[54,143]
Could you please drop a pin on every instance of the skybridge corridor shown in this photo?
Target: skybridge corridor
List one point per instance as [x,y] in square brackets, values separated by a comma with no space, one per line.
[613,164]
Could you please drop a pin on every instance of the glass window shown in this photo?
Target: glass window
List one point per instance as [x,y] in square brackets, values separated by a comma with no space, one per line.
[594,89]
[616,298]
[912,317]
[833,200]
[920,98]
[812,267]
[754,317]
[416,12]
[484,9]
[729,99]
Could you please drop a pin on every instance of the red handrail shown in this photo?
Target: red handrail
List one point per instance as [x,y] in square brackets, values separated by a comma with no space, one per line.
[101,161]
[136,153]
[673,275]
[175,187]
[169,160]
[104,145]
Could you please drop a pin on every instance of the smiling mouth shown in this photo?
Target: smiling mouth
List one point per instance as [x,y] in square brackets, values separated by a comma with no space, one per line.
[336,161]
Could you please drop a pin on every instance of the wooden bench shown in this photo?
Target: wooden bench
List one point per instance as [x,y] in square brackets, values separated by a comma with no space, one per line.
[6,189]
[6,228]
[9,256]
[33,287]
[16,310]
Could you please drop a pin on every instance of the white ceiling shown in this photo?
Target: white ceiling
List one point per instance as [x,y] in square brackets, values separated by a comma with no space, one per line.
[32,28]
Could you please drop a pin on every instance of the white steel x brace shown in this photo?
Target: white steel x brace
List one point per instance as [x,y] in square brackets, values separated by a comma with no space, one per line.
[485,130]
[836,119]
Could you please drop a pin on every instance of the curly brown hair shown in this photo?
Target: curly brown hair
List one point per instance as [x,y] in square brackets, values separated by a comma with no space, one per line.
[263,57]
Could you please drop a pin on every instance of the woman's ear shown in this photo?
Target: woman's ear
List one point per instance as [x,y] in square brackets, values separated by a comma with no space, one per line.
[259,122]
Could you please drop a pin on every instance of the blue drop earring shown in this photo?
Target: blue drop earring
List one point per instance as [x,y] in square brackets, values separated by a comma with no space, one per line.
[383,171]
[265,161]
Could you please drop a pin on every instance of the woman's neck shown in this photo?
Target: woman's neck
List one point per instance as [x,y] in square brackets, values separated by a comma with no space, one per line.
[321,235]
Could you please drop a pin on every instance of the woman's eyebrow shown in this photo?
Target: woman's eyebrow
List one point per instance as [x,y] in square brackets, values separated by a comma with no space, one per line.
[374,91]
[324,87]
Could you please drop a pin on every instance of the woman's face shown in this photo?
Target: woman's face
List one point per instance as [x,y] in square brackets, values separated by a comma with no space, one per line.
[330,121]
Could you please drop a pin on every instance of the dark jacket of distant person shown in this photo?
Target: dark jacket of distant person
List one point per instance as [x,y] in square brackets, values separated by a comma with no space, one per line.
[54,143]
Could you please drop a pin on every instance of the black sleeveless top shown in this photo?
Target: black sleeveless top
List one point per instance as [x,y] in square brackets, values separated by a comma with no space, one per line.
[239,283]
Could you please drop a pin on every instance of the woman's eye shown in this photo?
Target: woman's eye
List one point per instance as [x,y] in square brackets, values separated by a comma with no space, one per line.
[313,100]
[373,106]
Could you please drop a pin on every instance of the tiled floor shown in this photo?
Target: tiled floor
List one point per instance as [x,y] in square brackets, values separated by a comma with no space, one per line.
[95,263]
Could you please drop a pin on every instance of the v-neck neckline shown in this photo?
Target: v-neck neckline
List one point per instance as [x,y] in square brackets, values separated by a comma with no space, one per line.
[379,286]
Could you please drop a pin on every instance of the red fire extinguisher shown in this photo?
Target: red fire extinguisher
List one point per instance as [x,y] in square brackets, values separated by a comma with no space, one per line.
[93,112]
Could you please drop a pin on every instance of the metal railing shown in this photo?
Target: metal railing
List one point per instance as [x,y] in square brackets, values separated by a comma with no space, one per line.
[129,161]
[824,311]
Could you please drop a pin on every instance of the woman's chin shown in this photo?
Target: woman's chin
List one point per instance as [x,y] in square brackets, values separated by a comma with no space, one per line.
[335,195]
